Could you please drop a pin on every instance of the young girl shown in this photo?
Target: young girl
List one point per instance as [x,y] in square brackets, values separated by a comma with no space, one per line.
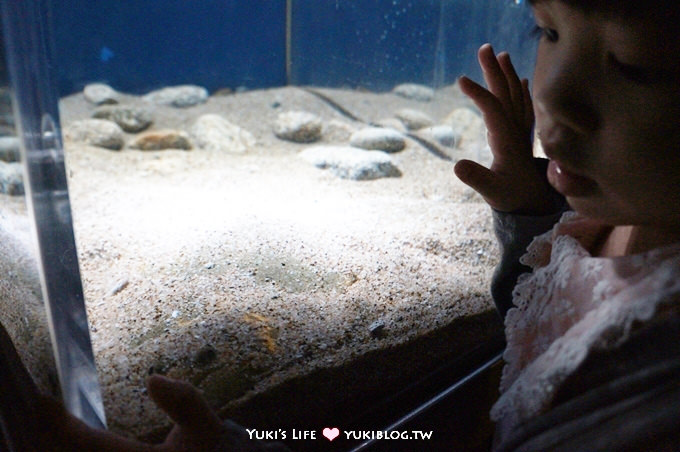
[593,356]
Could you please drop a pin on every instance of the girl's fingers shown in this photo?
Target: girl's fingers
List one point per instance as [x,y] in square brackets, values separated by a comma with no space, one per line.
[514,87]
[494,77]
[184,404]
[509,118]
[500,129]
[482,180]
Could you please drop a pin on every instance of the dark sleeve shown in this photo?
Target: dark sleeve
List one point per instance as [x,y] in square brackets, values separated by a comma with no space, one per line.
[514,232]
[19,400]
[625,398]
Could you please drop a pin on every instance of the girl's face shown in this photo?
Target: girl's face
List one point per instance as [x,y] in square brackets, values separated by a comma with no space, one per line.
[607,103]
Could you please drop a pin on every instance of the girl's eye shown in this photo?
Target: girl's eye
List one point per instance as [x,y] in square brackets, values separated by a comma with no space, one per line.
[635,74]
[544,32]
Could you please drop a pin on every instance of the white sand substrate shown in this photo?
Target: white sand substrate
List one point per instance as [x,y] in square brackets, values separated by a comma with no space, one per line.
[239,271]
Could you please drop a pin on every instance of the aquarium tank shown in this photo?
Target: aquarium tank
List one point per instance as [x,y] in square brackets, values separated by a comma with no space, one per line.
[255,197]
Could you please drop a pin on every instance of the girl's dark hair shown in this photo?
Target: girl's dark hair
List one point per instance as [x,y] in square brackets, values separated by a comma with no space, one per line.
[664,9]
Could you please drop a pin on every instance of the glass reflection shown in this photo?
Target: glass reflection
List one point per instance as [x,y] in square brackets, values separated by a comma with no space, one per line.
[22,311]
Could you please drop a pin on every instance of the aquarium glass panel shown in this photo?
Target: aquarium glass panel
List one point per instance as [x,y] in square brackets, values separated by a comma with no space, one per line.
[22,312]
[263,199]
[377,45]
[29,61]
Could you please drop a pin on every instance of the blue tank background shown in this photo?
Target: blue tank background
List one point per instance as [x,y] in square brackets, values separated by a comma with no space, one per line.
[380,43]
[139,45]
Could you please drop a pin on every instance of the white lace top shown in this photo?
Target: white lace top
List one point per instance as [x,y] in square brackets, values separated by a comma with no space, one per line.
[573,303]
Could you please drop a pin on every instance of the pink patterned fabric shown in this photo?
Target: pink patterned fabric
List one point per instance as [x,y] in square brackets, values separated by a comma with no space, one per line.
[571,304]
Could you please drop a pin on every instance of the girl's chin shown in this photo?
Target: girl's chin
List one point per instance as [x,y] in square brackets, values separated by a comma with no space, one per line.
[595,209]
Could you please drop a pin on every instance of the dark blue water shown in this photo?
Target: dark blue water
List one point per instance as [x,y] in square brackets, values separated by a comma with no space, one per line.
[139,45]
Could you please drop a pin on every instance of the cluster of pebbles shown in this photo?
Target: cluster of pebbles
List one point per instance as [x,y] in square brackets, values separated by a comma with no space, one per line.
[11,180]
[239,240]
[113,119]
[359,150]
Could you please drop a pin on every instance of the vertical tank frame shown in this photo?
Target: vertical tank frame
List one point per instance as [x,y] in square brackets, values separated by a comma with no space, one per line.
[30,61]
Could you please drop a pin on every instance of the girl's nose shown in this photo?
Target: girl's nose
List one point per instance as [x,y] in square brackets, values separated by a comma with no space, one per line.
[564,92]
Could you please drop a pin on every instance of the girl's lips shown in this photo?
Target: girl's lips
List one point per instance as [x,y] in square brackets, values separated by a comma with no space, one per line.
[568,183]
